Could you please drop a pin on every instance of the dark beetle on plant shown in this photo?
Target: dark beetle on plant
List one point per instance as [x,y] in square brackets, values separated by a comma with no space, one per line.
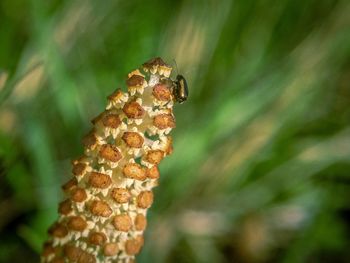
[180,89]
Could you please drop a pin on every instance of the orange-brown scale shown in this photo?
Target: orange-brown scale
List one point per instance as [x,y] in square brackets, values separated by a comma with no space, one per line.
[99,180]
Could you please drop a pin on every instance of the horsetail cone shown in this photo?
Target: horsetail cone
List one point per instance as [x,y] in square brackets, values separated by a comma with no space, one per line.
[104,214]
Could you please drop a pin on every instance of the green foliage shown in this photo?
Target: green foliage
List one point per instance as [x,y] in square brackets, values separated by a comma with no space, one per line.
[260,167]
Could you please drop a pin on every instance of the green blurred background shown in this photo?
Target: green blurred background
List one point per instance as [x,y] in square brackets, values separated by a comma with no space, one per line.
[260,169]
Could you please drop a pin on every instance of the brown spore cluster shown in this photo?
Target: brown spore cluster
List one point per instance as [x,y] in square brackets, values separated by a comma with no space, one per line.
[104,214]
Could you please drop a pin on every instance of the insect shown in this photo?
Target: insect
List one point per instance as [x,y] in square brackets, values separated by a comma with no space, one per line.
[180,89]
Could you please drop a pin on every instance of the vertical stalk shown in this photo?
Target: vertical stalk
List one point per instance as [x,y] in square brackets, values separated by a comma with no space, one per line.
[104,214]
